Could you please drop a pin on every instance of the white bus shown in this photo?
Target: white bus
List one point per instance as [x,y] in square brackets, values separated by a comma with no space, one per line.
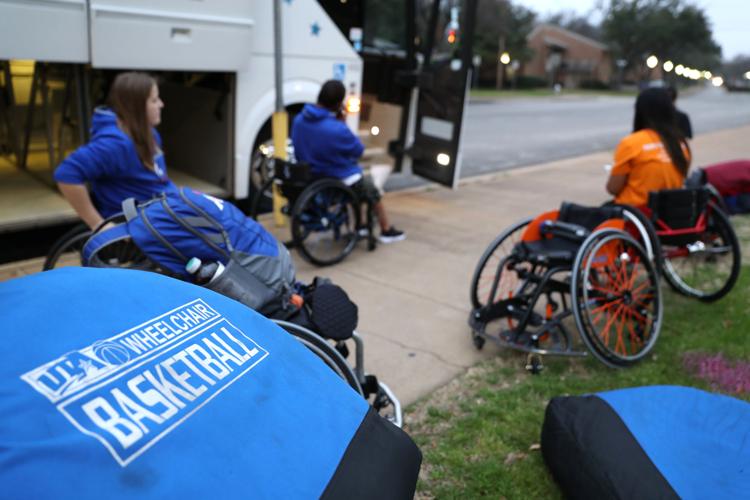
[215,62]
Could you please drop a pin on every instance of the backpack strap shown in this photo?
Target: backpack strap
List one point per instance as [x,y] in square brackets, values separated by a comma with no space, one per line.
[129,209]
[212,240]
[102,239]
[209,219]
[156,234]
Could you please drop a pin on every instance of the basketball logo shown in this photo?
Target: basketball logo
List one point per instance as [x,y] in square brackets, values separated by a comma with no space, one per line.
[111,353]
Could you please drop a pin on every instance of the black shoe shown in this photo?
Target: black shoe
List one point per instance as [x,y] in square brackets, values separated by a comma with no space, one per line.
[391,235]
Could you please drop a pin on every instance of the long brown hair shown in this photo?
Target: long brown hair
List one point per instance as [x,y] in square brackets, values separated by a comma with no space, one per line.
[127,98]
[654,109]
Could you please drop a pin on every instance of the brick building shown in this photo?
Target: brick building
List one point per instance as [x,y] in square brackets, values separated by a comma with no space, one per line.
[562,56]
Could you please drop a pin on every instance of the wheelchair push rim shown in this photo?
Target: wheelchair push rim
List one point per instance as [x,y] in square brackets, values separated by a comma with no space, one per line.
[325,351]
[324,222]
[67,250]
[617,300]
[708,267]
[488,267]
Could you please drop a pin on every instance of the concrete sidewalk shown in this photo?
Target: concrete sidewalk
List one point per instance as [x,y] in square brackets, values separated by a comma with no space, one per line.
[413,296]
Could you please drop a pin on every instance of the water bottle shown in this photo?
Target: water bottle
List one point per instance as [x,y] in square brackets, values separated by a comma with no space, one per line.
[204,273]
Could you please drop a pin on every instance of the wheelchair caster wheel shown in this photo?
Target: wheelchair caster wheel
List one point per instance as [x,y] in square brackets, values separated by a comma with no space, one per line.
[534,364]
[478,341]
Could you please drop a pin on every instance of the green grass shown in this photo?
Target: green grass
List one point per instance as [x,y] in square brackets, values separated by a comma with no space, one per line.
[480,434]
[545,92]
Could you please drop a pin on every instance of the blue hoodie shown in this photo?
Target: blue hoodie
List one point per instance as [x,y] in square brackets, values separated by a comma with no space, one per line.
[325,143]
[110,164]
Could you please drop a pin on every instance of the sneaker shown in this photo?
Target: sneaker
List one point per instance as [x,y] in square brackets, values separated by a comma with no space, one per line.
[391,235]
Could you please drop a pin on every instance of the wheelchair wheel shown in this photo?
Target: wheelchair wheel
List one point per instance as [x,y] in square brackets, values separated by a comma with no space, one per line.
[67,249]
[325,351]
[324,222]
[616,298]
[484,274]
[707,268]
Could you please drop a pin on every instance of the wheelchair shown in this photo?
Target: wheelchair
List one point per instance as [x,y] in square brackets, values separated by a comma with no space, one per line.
[122,252]
[325,214]
[577,261]
[699,253]
[67,249]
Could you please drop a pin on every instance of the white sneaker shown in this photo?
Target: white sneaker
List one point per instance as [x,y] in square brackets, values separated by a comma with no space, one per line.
[391,235]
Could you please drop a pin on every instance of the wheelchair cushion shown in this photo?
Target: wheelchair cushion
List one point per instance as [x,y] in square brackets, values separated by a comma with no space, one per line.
[588,217]
[552,252]
[649,442]
[139,385]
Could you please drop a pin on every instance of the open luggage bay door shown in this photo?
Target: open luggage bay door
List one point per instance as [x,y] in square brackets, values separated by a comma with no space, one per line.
[443,84]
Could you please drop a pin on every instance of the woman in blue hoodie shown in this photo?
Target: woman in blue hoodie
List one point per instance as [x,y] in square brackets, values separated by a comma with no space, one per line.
[123,159]
[322,140]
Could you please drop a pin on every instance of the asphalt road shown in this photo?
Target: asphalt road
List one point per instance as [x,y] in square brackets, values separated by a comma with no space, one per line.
[512,132]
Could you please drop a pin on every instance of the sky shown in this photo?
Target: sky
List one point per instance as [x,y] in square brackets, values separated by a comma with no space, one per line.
[730,19]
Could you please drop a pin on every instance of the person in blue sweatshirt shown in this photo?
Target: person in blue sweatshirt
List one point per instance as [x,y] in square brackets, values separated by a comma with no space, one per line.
[123,159]
[322,140]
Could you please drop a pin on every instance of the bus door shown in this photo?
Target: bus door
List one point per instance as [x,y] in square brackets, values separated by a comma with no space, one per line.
[443,83]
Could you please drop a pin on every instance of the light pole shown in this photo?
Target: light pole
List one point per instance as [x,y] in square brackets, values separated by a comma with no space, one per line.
[499,68]
[620,63]
[279,120]
[651,62]
[504,61]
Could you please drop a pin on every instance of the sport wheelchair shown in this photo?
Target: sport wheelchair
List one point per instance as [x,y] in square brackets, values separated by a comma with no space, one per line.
[325,214]
[578,261]
[120,243]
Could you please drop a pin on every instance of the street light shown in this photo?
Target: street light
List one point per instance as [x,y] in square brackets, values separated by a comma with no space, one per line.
[652,61]
[747,75]
[505,58]
[668,66]
[707,75]
[717,81]
[680,69]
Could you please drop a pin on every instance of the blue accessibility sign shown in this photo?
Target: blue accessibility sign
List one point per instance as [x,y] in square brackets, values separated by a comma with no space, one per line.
[339,71]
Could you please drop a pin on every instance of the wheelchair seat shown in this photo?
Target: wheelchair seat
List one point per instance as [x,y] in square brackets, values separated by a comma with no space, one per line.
[555,252]
[563,237]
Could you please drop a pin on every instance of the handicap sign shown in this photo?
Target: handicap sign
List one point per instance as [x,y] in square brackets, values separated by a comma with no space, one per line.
[339,71]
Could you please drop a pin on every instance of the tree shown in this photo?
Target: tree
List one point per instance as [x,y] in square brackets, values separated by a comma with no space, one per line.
[670,29]
[500,22]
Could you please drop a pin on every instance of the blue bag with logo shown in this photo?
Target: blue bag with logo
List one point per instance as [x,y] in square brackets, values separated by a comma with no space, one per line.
[118,383]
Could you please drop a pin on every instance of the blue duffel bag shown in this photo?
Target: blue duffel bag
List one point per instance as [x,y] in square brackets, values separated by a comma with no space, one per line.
[649,442]
[122,384]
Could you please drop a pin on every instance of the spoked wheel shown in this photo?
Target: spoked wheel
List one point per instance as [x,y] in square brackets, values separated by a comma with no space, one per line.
[708,267]
[325,351]
[324,222]
[67,249]
[616,298]
[487,268]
